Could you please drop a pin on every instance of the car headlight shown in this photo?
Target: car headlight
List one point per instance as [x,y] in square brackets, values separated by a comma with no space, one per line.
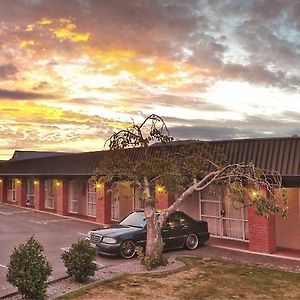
[89,235]
[109,240]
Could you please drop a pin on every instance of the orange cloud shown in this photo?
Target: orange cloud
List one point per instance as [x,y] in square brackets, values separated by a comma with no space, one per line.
[24,44]
[66,32]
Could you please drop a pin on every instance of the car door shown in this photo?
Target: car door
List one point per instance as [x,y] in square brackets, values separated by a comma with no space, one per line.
[141,237]
[175,231]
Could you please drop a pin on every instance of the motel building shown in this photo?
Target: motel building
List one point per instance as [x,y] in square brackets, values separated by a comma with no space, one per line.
[60,183]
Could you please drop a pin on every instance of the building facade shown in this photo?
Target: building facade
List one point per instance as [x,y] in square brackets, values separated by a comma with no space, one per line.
[62,184]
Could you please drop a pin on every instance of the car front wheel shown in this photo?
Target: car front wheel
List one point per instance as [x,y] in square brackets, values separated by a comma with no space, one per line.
[192,241]
[127,249]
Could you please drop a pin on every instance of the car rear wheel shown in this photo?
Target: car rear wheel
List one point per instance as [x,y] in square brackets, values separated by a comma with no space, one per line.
[192,241]
[127,249]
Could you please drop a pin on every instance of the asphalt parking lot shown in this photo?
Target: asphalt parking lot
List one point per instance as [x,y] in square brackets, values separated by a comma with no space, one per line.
[54,232]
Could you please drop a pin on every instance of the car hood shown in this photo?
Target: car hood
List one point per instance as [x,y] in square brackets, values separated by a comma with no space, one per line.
[116,230]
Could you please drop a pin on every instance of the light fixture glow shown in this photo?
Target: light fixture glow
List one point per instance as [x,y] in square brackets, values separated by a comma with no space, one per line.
[35,182]
[160,188]
[58,183]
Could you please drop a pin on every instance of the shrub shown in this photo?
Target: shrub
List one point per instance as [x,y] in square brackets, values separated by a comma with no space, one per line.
[149,262]
[29,270]
[79,260]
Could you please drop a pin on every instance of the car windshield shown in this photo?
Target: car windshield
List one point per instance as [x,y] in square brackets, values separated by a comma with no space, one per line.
[136,219]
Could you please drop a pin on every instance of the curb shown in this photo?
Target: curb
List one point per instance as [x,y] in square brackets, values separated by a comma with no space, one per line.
[254,253]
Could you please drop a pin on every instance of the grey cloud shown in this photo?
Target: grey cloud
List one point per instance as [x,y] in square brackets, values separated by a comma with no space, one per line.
[285,124]
[21,95]
[7,71]
[259,75]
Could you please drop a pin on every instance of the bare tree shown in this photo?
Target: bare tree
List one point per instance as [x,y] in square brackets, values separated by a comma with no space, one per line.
[182,168]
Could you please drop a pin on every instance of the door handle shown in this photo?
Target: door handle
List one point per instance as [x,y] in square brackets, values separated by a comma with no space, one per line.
[223,213]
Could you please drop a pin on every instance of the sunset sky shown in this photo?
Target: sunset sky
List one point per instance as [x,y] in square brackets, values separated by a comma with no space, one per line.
[74,71]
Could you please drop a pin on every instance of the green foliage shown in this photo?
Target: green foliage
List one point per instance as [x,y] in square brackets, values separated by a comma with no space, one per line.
[29,270]
[150,263]
[266,205]
[79,260]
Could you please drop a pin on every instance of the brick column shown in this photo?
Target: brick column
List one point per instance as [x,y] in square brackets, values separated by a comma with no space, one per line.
[61,192]
[39,194]
[262,237]
[162,198]
[1,190]
[103,204]
[21,192]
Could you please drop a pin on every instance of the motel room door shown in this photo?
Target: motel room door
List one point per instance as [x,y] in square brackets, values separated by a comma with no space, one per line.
[30,192]
[74,195]
[225,219]
[91,199]
[11,190]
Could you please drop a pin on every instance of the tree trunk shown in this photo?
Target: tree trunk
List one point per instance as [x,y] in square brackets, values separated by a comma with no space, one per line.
[154,244]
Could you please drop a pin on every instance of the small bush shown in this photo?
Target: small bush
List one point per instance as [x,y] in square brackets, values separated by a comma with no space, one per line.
[28,270]
[79,260]
[150,263]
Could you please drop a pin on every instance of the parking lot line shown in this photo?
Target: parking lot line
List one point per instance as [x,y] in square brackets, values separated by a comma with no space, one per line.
[49,221]
[10,213]
[65,249]
[80,233]
[3,266]
[4,213]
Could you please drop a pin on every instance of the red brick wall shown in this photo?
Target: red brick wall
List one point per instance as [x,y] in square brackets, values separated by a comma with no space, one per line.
[163,199]
[262,235]
[103,204]
[39,195]
[2,191]
[21,192]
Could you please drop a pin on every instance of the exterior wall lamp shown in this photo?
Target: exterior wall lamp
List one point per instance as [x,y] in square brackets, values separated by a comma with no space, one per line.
[160,188]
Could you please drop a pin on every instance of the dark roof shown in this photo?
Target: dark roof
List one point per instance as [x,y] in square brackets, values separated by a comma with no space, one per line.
[20,155]
[62,165]
[280,154]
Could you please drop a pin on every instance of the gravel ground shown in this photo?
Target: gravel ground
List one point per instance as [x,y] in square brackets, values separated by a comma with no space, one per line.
[66,285]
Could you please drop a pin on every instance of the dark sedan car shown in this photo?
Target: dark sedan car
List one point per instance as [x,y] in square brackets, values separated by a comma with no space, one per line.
[121,239]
